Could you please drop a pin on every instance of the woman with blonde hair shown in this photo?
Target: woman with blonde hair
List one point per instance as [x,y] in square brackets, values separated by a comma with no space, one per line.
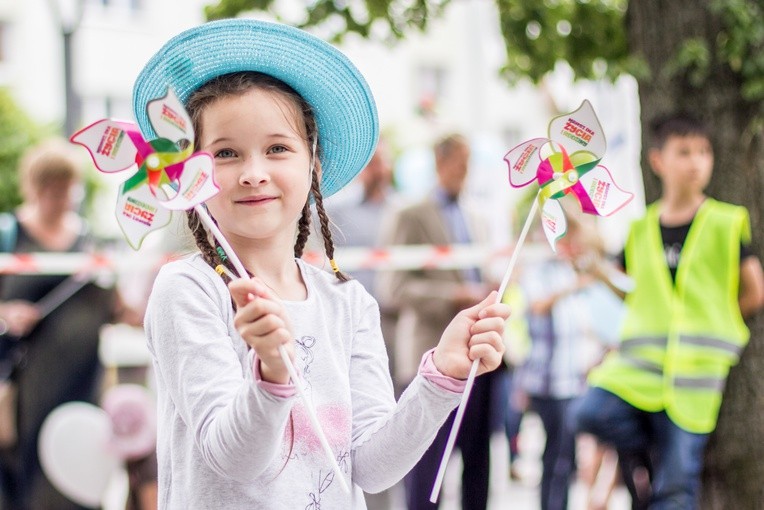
[55,351]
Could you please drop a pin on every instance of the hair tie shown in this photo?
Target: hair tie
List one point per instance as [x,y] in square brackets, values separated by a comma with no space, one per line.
[221,253]
[335,268]
[222,270]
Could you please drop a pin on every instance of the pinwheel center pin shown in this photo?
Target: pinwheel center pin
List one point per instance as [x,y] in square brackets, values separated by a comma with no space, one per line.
[153,162]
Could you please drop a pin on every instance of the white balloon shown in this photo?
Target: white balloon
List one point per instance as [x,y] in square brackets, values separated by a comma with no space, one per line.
[74,453]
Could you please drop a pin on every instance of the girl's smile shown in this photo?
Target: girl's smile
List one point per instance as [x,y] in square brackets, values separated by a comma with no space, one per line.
[256,200]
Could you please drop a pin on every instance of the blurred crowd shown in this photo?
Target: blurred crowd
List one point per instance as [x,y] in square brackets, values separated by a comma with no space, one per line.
[75,338]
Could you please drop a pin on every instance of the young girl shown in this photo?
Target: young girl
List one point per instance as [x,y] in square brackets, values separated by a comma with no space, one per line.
[288,120]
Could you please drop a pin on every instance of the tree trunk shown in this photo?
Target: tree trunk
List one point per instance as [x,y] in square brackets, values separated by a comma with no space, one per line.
[734,470]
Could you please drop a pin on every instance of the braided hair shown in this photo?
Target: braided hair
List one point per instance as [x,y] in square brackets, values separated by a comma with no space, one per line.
[236,84]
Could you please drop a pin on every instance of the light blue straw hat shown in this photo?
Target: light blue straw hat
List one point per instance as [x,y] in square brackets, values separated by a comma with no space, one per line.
[342,102]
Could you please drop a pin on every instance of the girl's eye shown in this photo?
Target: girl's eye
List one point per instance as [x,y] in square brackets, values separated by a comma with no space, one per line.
[225,153]
[277,149]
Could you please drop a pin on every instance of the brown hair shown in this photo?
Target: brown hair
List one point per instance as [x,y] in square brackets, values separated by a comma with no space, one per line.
[445,147]
[236,84]
[679,124]
[52,162]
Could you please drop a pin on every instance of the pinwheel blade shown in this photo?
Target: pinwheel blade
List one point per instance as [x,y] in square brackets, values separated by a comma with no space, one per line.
[579,130]
[109,144]
[599,194]
[169,119]
[195,185]
[553,221]
[139,213]
[523,162]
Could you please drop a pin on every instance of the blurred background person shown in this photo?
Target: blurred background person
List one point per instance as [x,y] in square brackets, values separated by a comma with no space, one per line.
[427,299]
[59,351]
[565,299]
[696,278]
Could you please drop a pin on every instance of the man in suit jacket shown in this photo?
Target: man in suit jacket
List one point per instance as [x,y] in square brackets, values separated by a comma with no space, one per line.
[428,299]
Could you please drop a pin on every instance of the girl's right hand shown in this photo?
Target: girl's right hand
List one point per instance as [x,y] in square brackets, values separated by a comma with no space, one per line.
[262,322]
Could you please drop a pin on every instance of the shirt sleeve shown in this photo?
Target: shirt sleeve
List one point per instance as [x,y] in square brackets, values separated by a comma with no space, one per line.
[389,438]
[206,377]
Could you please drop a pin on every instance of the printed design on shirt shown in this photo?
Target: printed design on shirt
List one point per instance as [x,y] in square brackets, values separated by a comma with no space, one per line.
[299,433]
[343,461]
[673,253]
[305,352]
[325,480]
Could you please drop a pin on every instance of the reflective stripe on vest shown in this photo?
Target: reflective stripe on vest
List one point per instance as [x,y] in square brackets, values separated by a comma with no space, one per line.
[701,383]
[724,347]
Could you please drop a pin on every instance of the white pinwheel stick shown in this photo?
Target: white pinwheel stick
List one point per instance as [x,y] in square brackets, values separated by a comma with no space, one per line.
[242,273]
[476,363]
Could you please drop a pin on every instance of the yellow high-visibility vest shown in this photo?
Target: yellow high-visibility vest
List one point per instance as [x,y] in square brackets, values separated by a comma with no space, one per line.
[679,339]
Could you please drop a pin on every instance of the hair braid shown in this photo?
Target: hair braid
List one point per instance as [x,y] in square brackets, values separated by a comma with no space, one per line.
[303,231]
[325,230]
[210,253]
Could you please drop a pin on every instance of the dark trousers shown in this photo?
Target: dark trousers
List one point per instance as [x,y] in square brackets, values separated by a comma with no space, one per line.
[473,441]
[661,463]
[513,417]
[559,458]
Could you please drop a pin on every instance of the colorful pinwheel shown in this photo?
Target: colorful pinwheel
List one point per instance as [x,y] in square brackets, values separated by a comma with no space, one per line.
[567,163]
[166,178]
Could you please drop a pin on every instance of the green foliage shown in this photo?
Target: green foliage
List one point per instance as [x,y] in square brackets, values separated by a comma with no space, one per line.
[17,133]
[588,35]
[358,17]
[693,60]
[231,8]
[741,43]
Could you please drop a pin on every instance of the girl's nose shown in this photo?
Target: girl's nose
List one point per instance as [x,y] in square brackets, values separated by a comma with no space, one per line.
[253,173]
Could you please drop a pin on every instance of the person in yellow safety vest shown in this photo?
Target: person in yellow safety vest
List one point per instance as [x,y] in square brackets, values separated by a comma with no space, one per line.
[657,397]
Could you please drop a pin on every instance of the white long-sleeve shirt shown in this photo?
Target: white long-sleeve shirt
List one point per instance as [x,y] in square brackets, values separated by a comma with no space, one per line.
[224,441]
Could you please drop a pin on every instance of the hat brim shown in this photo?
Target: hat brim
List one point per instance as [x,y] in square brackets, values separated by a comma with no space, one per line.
[342,103]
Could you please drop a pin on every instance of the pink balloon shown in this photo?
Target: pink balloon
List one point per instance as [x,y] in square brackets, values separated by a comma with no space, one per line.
[132,414]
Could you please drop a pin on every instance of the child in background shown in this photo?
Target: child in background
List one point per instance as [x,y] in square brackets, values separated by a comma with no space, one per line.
[289,120]
[695,277]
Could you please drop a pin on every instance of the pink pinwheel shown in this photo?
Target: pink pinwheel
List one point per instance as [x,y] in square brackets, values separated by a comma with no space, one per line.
[567,163]
[164,177]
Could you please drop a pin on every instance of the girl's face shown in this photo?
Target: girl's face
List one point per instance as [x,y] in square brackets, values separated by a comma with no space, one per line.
[262,165]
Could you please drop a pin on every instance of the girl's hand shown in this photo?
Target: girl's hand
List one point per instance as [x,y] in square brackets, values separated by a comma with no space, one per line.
[476,332]
[263,323]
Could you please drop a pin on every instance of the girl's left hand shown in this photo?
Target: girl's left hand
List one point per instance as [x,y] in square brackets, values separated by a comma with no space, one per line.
[477,332]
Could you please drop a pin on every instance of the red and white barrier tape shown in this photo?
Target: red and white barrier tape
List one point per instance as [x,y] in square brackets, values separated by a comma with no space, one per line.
[405,257]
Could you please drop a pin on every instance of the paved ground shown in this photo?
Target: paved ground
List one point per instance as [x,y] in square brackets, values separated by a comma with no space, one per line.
[513,495]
